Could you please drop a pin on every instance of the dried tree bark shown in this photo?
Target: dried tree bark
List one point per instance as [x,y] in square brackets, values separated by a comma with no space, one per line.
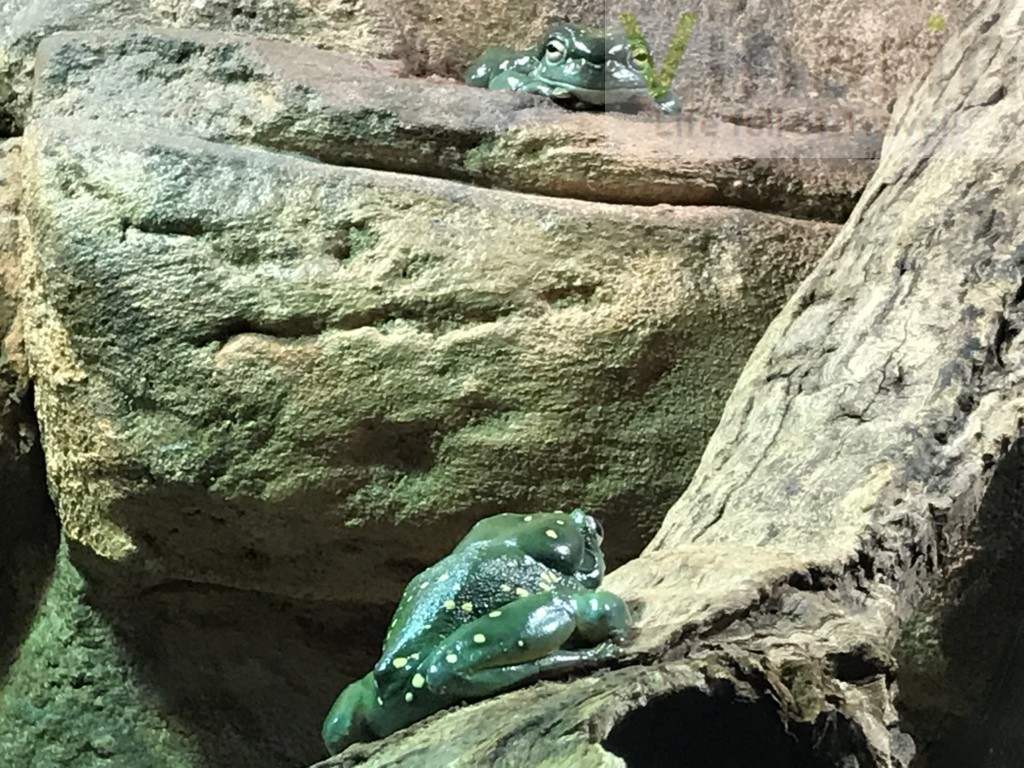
[839,514]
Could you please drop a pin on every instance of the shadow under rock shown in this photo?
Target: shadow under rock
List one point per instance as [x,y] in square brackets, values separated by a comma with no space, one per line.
[962,685]
[29,537]
[245,676]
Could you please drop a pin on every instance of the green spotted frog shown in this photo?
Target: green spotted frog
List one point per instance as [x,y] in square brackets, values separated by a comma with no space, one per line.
[572,64]
[516,598]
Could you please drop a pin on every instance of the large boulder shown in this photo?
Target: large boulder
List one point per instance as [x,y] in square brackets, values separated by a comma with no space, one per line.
[266,372]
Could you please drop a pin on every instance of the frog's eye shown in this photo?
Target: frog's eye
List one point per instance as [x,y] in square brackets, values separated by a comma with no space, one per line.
[640,56]
[554,51]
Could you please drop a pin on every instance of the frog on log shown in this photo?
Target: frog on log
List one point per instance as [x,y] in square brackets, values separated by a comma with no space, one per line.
[516,598]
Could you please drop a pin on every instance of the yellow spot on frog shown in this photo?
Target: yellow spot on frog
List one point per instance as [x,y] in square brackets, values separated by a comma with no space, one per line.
[451,658]
[506,587]
[494,614]
[414,655]
[520,643]
[449,605]
[399,662]
[408,696]
[522,592]
[528,518]
[467,607]
[478,638]
[424,585]
[551,534]
[380,701]
[559,522]
[443,577]
[418,680]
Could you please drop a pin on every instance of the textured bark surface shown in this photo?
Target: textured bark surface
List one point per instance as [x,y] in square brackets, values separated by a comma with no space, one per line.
[846,488]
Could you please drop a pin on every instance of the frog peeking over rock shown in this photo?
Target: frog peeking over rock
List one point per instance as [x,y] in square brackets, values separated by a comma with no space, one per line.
[576,66]
[515,599]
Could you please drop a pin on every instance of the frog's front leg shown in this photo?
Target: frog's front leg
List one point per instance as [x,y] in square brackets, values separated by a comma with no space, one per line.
[502,68]
[543,632]
[489,65]
[352,717]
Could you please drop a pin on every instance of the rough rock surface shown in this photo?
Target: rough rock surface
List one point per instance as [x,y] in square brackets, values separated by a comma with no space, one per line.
[17,436]
[362,28]
[347,111]
[28,524]
[787,64]
[858,503]
[251,365]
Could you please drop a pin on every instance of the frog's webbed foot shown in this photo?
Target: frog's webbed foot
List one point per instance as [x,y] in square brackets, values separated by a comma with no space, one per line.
[541,633]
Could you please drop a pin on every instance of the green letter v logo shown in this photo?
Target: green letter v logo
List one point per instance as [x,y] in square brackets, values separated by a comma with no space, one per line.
[658,83]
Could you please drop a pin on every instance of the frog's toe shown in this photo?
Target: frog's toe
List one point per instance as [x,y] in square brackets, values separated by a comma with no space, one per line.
[605,651]
[601,616]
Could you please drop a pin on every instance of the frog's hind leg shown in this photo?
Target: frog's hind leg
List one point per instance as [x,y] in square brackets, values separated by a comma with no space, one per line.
[523,639]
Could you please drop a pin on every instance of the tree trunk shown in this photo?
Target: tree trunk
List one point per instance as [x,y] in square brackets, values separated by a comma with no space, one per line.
[845,513]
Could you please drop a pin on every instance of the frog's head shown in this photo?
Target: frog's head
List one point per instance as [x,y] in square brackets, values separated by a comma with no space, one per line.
[590,571]
[590,65]
[348,722]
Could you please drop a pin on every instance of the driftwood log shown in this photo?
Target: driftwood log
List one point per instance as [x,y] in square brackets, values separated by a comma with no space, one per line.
[809,600]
